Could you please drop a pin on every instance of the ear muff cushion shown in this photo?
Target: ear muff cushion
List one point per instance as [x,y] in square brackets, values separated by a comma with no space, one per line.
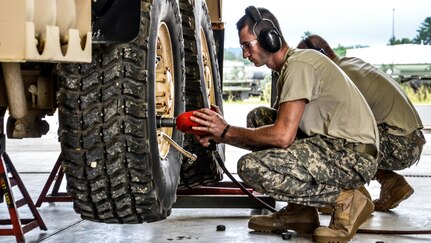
[270,40]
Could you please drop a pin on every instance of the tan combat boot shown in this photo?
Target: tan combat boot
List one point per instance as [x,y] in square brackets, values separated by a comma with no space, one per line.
[302,219]
[329,209]
[393,190]
[352,208]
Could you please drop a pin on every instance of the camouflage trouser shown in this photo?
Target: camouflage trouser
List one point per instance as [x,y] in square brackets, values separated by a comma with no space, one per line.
[311,172]
[399,152]
[261,116]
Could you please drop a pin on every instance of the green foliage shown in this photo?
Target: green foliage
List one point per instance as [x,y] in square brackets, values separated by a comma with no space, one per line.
[394,41]
[251,100]
[340,51]
[234,54]
[230,55]
[306,33]
[421,96]
[424,33]
[266,92]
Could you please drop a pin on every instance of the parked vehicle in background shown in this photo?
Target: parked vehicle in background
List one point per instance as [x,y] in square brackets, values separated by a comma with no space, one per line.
[406,63]
[242,81]
[418,84]
[405,72]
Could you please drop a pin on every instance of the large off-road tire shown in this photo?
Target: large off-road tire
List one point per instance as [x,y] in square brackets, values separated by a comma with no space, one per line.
[118,169]
[203,88]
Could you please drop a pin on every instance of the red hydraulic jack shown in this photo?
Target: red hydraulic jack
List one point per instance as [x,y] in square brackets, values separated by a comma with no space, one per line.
[8,178]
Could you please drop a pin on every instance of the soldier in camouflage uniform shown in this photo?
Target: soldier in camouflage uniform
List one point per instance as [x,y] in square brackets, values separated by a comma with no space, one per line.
[401,138]
[336,155]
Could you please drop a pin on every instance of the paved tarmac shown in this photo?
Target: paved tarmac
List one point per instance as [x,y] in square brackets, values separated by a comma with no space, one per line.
[34,159]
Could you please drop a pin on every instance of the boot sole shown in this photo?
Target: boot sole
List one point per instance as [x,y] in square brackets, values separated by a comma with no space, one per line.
[300,228]
[405,192]
[325,210]
[363,216]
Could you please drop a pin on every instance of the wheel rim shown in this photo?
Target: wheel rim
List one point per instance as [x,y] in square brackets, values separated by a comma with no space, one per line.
[208,72]
[165,86]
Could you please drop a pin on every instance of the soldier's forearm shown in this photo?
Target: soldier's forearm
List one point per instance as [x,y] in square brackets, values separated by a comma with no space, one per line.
[247,138]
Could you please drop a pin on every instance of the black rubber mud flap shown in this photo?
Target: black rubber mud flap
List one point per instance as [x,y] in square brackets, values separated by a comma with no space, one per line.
[118,169]
[203,87]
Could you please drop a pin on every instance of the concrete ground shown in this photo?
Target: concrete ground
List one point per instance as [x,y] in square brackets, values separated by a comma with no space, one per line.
[34,159]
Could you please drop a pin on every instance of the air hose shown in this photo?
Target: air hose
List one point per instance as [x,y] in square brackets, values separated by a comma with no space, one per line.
[239,185]
[393,232]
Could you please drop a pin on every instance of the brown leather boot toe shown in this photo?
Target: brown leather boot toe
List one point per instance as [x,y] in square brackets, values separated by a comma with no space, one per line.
[394,189]
[302,219]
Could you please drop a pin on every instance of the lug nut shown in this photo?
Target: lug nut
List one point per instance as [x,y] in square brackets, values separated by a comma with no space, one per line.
[221,227]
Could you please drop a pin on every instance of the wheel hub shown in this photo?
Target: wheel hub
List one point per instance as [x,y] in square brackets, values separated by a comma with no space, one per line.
[165,85]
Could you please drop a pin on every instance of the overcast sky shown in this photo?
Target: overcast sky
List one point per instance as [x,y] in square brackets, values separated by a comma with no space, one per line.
[345,22]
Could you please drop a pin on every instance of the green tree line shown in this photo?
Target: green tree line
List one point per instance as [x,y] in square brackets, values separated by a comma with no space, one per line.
[423,35]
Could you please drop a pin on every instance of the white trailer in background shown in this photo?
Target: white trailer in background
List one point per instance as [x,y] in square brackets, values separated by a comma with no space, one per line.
[402,62]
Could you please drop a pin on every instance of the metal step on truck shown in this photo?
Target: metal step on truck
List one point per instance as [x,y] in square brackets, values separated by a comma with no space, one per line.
[112,70]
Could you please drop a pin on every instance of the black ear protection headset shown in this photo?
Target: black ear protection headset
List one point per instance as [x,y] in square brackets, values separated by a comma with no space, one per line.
[310,45]
[269,38]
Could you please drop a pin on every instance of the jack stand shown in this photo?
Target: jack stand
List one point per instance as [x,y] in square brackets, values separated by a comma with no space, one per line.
[56,175]
[19,226]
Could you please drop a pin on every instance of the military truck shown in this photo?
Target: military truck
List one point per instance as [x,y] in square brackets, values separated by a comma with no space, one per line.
[406,63]
[241,81]
[413,75]
[113,71]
